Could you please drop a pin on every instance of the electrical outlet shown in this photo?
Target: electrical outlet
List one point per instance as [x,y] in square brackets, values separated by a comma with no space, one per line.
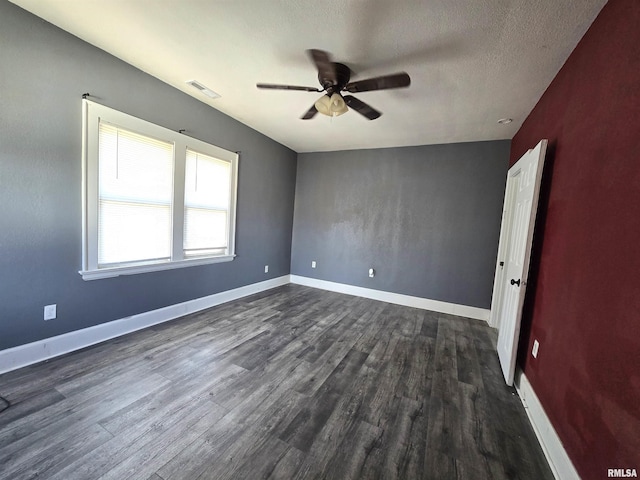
[266,269]
[50,312]
[313,264]
[372,273]
[534,350]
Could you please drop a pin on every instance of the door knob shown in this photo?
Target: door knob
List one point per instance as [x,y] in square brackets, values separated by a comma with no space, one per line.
[515,282]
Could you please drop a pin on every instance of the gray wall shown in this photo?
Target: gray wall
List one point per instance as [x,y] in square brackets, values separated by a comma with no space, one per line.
[43,73]
[427,219]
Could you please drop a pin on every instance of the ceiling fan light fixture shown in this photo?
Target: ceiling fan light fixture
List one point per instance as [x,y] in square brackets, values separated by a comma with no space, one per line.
[331,106]
[323,105]
[334,78]
[338,107]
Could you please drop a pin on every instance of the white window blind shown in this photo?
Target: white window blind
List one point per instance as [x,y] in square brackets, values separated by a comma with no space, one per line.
[135,187]
[206,204]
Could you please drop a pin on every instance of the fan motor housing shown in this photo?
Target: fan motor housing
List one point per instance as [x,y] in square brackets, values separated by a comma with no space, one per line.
[343,74]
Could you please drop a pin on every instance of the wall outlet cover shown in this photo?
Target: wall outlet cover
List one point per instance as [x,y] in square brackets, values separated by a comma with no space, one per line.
[50,312]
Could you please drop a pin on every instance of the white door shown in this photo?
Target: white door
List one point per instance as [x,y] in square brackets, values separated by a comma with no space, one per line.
[505,232]
[521,202]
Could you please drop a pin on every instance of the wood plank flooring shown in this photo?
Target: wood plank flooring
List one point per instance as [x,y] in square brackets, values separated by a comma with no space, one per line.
[292,383]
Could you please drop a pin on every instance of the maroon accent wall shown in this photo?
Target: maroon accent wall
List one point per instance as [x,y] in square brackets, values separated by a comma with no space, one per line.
[583,304]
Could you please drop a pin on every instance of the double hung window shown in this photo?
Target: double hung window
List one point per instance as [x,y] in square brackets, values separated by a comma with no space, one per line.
[154,199]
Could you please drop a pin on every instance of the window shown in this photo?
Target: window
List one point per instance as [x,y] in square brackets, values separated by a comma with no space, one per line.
[135,188]
[206,204]
[153,199]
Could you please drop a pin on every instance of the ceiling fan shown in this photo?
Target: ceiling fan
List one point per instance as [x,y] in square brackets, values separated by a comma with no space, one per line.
[334,78]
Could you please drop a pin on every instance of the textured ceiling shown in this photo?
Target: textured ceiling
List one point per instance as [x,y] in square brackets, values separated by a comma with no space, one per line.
[471,62]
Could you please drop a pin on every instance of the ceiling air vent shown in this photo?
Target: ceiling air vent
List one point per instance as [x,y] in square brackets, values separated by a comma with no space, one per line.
[207,91]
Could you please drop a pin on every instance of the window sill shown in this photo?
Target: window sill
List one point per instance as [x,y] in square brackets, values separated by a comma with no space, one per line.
[154,267]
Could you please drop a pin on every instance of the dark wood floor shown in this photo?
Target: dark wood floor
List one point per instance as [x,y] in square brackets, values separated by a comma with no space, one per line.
[293,383]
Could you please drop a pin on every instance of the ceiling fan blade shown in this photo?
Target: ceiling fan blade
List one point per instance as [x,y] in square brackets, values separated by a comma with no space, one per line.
[274,86]
[326,68]
[396,80]
[310,113]
[361,107]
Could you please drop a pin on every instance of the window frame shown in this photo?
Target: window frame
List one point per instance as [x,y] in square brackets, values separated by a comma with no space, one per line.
[92,114]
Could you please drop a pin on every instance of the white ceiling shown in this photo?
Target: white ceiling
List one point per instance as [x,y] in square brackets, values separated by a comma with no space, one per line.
[471,62]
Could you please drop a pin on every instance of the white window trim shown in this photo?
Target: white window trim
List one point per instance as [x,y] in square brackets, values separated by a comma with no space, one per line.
[91,114]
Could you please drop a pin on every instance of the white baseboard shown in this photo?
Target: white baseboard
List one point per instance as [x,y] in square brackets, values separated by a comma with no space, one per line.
[397,298]
[559,461]
[28,354]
